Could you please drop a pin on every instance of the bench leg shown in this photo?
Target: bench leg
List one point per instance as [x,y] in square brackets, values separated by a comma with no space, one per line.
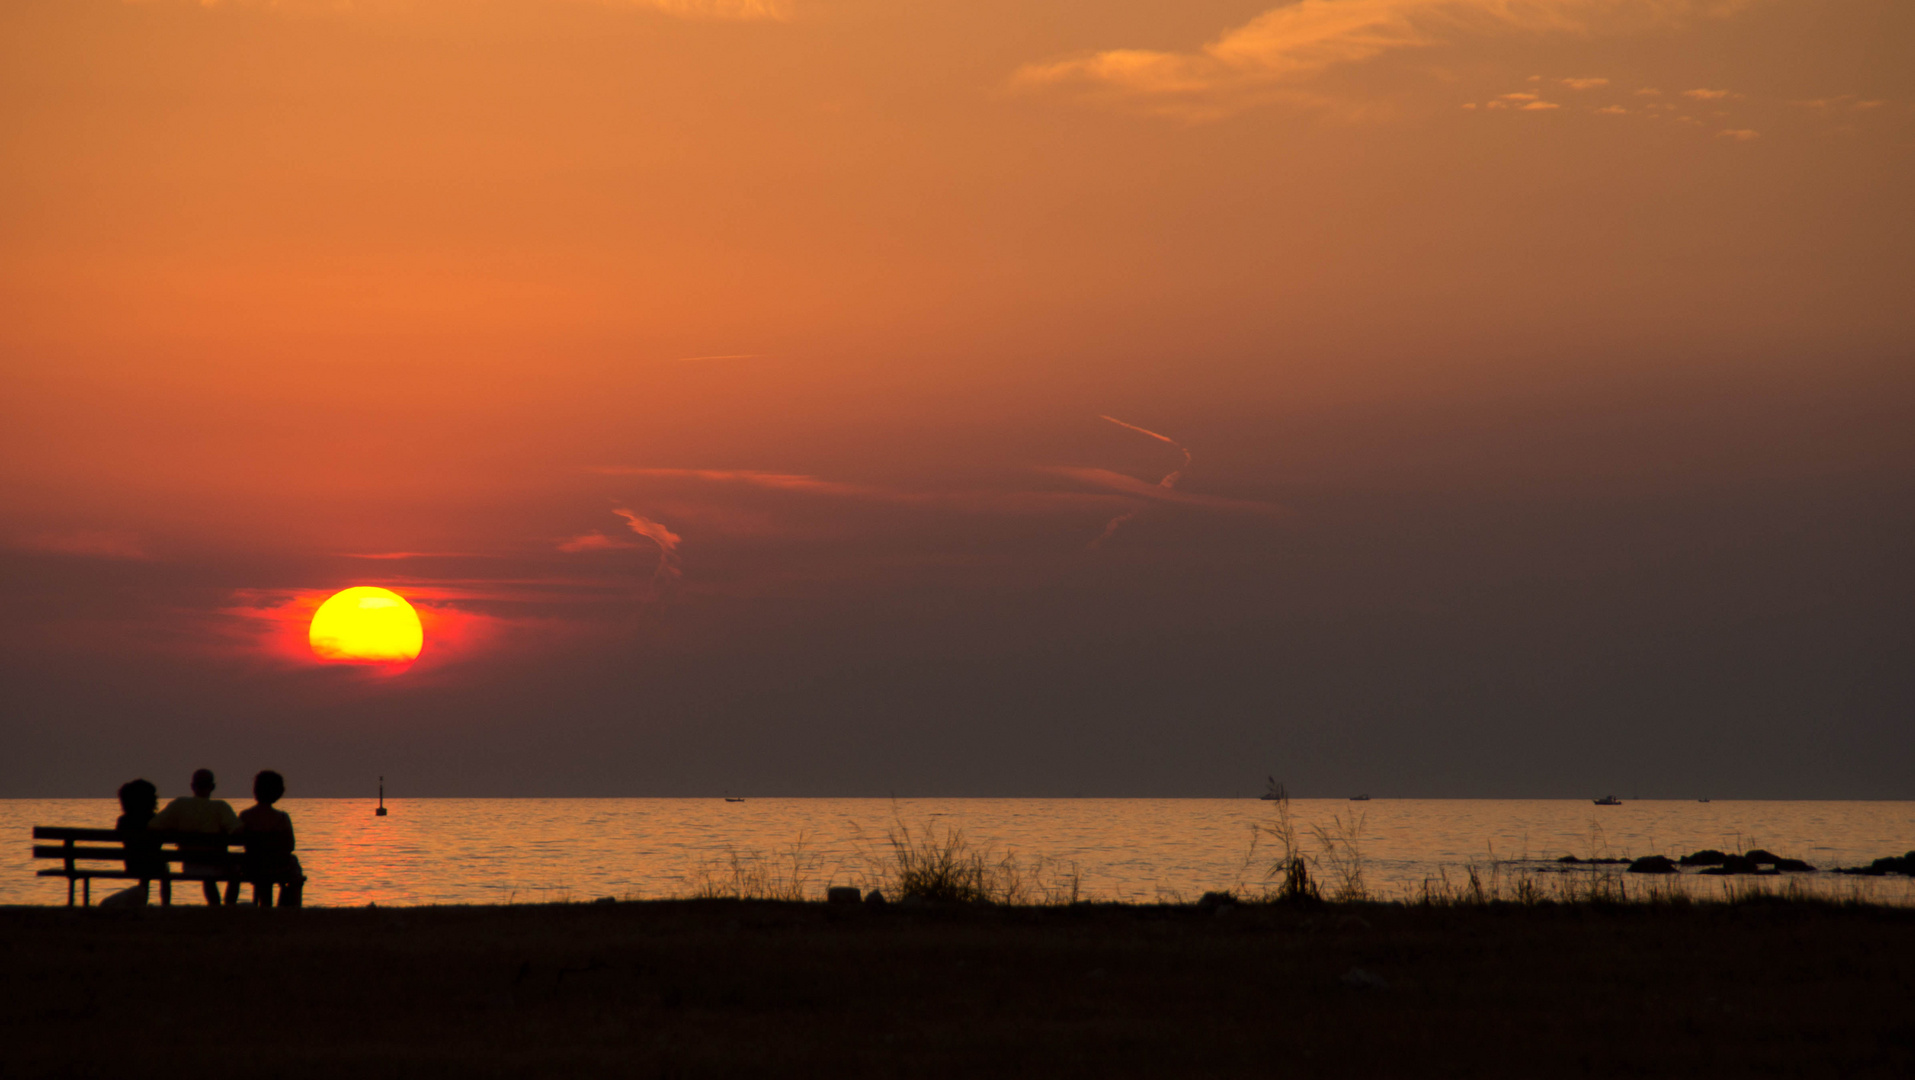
[86,893]
[69,892]
[166,892]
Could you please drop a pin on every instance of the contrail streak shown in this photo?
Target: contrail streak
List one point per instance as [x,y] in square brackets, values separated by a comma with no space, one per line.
[1169,482]
[667,541]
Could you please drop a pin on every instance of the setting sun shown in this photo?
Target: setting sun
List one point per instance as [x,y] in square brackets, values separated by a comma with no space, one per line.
[366,625]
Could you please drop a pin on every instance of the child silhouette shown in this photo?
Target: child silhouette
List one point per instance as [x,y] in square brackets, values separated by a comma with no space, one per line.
[269,845]
[139,801]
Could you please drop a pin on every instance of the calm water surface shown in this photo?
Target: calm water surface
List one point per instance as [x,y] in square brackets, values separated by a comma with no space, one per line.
[440,851]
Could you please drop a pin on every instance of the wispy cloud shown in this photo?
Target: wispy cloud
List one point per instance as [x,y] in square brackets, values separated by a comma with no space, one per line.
[1275,55]
[769,480]
[1842,101]
[1706,94]
[969,501]
[383,555]
[1163,491]
[592,541]
[1112,493]
[1176,475]
[667,541]
[1584,84]
[1739,134]
[1144,489]
[1166,484]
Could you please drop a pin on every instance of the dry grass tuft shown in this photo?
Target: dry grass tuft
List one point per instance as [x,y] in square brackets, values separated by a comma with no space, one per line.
[757,876]
[943,867]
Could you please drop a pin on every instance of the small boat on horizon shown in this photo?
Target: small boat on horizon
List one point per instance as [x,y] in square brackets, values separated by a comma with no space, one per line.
[740,798]
[1608,800]
[1359,798]
[1273,792]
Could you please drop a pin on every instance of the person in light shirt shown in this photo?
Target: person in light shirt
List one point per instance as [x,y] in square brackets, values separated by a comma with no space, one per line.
[201,813]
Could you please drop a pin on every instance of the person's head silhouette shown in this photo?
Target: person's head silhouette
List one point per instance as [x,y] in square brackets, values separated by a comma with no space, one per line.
[139,798]
[203,783]
[268,786]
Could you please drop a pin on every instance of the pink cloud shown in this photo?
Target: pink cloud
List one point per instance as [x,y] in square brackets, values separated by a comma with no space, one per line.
[592,541]
[1143,489]
[769,480]
[667,541]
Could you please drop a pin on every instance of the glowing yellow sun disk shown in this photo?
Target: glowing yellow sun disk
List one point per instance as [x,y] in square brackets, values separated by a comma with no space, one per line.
[368,625]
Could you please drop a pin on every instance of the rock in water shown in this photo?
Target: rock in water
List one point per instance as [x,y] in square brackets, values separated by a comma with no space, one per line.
[1893,864]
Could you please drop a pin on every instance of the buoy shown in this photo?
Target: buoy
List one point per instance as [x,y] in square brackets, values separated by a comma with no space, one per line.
[381,812]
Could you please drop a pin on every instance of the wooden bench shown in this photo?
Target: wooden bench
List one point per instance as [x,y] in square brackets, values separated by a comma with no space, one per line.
[223,853]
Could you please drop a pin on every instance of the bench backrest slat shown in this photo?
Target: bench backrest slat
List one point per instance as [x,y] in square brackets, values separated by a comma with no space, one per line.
[118,854]
[114,836]
[59,832]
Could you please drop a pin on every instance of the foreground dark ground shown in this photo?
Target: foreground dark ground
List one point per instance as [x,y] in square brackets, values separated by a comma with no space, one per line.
[732,988]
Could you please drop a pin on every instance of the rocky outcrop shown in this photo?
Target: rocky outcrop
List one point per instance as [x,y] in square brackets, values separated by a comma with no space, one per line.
[1705,857]
[1893,864]
[1757,861]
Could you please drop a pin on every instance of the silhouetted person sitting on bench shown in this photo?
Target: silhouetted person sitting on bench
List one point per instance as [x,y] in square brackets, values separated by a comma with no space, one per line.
[139,799]
[269,845]
[201,813]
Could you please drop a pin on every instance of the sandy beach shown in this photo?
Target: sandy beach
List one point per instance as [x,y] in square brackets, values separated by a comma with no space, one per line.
[732,988]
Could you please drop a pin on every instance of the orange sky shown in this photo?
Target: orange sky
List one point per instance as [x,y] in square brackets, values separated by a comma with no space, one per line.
[1497,307]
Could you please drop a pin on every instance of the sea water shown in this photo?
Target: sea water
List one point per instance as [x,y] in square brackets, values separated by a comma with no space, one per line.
[493,851]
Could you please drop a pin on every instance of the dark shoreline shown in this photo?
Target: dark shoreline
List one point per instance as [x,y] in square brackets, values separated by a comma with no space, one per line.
[727,988]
